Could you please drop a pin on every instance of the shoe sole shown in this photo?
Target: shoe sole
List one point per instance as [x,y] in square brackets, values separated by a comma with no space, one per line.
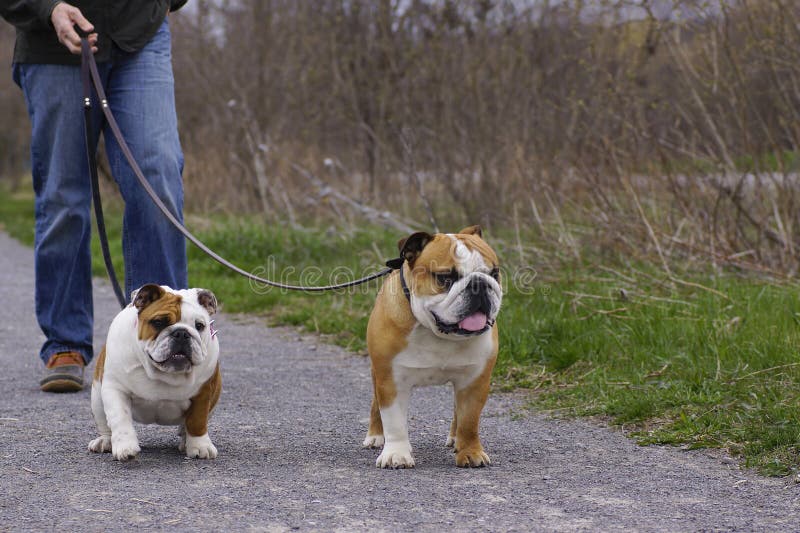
[61,384]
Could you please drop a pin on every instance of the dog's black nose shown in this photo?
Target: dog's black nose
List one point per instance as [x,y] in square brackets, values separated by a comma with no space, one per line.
[180,334]
[478,290]
[477,285]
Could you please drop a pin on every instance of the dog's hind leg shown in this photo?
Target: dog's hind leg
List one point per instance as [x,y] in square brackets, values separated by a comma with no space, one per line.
[374,438]
[451,437]
[102,443]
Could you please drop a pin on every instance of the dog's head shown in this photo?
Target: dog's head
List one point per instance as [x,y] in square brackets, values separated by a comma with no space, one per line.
[174,327]
[454,281]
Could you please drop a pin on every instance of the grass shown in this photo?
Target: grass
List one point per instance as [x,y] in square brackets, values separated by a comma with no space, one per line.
[703,371]
[708,363]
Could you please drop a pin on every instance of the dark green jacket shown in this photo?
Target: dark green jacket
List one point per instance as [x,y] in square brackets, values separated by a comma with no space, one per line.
[128,23]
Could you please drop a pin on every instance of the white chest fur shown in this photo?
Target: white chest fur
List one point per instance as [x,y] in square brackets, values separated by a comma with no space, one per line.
[431,360]
[154,401]
[164,412]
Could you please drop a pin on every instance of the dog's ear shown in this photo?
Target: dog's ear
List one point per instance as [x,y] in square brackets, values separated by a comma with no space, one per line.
[207,299]
[145,295]
[411,246]
[472,230]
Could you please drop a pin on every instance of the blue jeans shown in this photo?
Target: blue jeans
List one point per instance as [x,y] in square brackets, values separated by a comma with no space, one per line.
[140,91]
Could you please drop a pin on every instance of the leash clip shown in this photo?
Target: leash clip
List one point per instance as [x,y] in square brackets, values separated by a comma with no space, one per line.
[396,263]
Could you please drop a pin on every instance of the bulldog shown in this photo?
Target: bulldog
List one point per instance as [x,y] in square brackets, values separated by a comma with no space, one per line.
[160,365]
[434,322]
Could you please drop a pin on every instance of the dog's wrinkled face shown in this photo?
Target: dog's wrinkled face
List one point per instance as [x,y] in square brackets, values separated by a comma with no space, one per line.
[454,282]
[174,327]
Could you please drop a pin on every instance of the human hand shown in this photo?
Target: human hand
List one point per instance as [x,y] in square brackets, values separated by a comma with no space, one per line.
[64,17]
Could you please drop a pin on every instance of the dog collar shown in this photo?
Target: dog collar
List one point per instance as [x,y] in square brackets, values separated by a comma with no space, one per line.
[403,284]
[397,264]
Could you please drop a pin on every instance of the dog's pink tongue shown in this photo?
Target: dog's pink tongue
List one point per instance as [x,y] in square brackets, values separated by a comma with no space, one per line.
[474,322]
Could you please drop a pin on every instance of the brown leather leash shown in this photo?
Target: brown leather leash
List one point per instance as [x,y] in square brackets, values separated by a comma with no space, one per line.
[89,76]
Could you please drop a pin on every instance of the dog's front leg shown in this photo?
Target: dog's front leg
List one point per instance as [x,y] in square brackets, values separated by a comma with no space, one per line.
[194,439]
[470,399]
[194,434]
[117,405]
[396,451]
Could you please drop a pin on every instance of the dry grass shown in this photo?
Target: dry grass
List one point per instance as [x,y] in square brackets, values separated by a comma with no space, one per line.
[602,129]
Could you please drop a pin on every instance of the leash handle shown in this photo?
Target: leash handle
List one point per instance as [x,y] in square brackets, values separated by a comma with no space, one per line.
[89,74]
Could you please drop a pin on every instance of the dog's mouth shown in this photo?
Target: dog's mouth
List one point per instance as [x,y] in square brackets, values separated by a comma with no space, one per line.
[176,362]
[476,323]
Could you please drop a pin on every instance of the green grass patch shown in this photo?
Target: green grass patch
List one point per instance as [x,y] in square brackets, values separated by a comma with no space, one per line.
[690,367]
[17,219]
[709,364]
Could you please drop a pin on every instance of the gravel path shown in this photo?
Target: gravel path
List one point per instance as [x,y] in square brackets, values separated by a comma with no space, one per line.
[289,427]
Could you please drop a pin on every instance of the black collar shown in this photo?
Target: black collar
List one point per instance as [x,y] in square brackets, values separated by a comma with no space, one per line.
[397,264]
[403,284]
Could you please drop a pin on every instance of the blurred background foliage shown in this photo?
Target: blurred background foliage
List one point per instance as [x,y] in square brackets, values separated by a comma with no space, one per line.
[666,129]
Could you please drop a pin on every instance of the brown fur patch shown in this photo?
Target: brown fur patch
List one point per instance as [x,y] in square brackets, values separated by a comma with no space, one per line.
[167,307]
[389,325]
[100,365]
[437,256]
[475,243]
[207,299]
[196,417]
[472,230]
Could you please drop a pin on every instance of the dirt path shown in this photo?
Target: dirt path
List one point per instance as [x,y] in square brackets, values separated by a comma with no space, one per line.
[289,428]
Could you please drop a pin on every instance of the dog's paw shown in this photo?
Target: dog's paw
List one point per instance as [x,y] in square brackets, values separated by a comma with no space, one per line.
[200,447]
[124,450]
[373,441]
[450,442]
[472,457]
[101,444]
[395,457]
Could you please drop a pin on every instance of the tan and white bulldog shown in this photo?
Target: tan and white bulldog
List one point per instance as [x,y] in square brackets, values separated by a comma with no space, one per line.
[434,322]
[160,365]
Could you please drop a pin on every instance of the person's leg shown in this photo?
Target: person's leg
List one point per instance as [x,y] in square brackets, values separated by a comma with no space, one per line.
[62,199]
[140,92]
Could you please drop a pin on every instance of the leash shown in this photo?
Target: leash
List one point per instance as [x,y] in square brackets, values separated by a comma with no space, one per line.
[95,182]
[89,76]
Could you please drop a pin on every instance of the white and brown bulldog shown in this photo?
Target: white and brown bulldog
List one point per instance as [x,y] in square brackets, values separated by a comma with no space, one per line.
[160,365]
[434,322]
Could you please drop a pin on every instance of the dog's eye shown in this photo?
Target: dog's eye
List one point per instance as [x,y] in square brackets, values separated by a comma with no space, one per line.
[495,273]
[199,326]
[445,280]
[159,323]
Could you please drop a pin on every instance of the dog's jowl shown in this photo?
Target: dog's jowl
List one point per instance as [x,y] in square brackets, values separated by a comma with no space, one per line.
[160,365]
[434,322]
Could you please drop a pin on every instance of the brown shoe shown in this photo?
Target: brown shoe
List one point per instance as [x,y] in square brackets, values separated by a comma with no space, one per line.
[63,373]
